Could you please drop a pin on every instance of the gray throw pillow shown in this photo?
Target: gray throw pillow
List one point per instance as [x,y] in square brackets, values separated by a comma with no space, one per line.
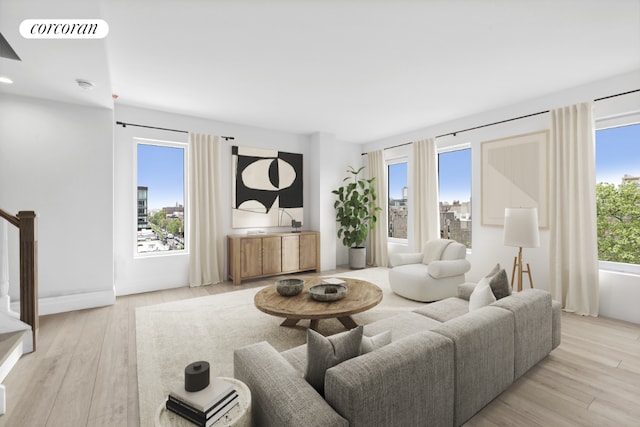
[494,270]
[499,283]
[375,342]
[326,352]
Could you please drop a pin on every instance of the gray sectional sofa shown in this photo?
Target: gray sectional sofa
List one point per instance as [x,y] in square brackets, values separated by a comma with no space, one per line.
[443,366]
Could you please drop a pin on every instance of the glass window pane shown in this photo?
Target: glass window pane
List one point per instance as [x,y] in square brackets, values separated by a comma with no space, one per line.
[160,198]
[398,198]
[454,169]
[618,194]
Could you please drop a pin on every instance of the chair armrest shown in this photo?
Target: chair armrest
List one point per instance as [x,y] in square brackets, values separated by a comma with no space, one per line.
[406,258]
[448,268]
[280,395]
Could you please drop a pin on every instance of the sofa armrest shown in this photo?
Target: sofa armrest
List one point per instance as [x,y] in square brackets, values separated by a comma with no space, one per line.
[448,268]
[280,396]
[409,382]
[406,258]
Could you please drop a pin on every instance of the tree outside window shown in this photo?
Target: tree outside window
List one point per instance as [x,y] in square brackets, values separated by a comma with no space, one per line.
[618,194]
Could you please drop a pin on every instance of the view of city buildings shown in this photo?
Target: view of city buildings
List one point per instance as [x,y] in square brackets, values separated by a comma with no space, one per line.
[398,216]
[455,185]
[455,221]
[159,229]
[160,198]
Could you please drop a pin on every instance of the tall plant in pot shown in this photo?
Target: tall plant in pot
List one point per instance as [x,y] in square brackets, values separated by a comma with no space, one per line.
[355,214]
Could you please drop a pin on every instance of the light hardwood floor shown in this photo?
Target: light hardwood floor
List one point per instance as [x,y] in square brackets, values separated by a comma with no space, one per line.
[84,372]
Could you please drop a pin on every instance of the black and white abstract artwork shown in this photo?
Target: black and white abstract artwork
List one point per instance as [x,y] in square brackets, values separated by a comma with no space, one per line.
[266,188]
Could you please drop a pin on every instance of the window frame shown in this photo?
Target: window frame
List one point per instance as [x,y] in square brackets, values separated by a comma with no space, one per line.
[387,163]
[609,123]
[449,149]
[185,222]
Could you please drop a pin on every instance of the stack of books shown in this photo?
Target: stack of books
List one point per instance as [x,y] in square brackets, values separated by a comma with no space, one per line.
[206,406]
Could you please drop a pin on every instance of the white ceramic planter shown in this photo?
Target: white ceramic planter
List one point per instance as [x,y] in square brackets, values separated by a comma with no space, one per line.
[357,258]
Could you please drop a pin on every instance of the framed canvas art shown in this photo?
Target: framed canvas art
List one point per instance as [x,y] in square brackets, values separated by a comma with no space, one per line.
[515,174]
[266,188]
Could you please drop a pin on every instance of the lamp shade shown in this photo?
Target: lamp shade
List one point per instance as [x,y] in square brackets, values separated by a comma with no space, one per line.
[521,227]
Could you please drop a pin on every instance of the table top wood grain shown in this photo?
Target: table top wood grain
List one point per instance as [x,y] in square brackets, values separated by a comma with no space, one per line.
[361,296]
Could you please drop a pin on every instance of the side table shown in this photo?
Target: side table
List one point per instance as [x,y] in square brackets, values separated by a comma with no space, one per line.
[238,416]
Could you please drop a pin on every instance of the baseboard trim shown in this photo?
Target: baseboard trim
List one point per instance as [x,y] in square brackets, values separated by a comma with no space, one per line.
[64,303]
[141,287]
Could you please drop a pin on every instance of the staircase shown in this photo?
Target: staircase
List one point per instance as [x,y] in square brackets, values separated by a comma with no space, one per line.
[17,336]
[16,339]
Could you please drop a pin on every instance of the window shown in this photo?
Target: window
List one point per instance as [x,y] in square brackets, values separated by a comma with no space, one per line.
[618,195]
[454,177]
[160,196]
[398,197]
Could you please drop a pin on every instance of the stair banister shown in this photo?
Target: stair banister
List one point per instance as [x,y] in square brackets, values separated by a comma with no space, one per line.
[26,223]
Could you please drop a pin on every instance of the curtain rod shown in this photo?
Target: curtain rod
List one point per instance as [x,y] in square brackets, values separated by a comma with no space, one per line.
[507,120]
[124,125]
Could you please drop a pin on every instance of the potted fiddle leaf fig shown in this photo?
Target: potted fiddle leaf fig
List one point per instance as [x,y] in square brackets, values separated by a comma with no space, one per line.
[355,214]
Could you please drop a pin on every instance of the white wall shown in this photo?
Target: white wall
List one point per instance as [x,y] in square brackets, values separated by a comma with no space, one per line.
[487,241]
[133,274]
[56,159]
[330,161]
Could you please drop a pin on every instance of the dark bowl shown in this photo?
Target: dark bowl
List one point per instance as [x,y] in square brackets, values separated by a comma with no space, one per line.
[289,287]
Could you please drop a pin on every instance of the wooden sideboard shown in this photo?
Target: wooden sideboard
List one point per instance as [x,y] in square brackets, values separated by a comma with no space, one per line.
[262,255]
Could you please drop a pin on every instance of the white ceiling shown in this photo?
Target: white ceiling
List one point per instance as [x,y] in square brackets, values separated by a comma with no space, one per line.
[360,69]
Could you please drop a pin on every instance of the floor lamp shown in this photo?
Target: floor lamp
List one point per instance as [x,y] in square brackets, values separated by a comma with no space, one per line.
[521,231]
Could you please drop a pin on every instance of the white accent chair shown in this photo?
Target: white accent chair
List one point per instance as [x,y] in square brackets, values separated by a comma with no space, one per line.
[432,274]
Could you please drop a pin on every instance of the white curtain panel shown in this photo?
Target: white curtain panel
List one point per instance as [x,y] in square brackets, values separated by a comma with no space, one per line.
[424,201]
[206,240]
[377,253]
[574,243]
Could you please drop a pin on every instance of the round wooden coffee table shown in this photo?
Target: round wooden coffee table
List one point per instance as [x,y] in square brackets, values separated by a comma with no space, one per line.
[361,296]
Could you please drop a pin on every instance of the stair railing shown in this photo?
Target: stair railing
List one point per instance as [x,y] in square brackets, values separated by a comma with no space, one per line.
[25,221]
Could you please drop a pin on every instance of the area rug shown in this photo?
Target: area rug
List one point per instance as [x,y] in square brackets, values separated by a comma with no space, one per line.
[170,336]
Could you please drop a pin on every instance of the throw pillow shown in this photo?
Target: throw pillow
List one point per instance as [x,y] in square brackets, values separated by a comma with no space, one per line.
[326,352]
[493,271]
[481,295]
[375,342]
[499,284]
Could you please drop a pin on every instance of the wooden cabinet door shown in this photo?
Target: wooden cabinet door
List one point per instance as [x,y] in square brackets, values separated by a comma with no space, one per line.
[290,253]
[308,251]
[271,255]
[251,257]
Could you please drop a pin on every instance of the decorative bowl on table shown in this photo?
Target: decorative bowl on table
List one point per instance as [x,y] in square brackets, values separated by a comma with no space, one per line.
[289,287]
[328,292]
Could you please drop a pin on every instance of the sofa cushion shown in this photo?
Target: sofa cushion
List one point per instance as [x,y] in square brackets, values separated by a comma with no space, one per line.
[484,342]
[445,309]
[375,342]
[482,295]
[406,383]
[279,394]
[325,352]
[532,313]
[401,325]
